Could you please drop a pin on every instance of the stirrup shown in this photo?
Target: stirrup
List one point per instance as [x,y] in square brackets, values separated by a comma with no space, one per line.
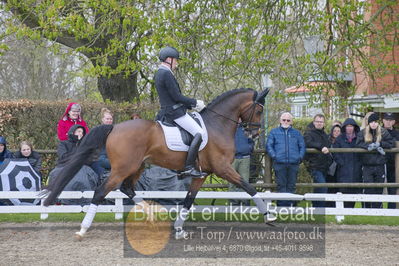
[192,172]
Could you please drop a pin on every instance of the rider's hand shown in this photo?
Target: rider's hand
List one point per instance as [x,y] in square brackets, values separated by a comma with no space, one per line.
[200,105]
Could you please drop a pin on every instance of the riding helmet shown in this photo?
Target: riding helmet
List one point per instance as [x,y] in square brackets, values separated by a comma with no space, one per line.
[168,52]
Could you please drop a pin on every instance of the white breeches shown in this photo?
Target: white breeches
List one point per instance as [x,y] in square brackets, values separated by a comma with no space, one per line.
[189,124]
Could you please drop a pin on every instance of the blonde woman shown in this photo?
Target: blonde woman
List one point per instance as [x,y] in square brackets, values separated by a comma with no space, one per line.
[107,118]
[375,139]
[26,152]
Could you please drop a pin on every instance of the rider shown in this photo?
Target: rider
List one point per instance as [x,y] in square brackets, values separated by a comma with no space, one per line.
[174,105]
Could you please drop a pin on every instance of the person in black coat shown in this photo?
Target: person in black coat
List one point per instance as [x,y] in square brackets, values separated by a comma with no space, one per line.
[26,152]
[389,121]
[68,147]
[349,168]
[374,138]
[4,153]
[318,163]
[174,106]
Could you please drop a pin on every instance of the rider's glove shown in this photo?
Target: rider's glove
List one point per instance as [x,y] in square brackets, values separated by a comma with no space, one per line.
[200,105]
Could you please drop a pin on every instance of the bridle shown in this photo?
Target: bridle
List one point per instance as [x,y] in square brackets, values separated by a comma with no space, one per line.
[247,125]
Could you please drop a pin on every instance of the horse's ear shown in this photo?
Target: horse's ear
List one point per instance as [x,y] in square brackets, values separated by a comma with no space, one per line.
[261,97]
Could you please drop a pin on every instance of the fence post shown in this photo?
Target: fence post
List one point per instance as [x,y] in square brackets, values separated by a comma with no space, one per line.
[397,171]
[340,206]
[268,169]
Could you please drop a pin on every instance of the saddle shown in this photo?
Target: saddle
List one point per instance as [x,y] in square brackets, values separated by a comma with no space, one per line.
[177,138]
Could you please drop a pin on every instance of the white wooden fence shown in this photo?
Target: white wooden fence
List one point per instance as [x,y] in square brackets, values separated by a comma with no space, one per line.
[118,208]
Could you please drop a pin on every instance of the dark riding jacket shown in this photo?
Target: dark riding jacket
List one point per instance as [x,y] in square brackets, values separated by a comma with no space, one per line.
[173,103]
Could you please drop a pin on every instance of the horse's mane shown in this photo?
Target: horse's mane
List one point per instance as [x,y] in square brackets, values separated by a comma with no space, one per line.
[226,94]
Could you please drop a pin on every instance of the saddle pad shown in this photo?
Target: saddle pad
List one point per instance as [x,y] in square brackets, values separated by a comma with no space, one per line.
[173,136]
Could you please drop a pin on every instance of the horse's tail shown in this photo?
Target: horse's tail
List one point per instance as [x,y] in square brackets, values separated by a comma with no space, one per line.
[92,142]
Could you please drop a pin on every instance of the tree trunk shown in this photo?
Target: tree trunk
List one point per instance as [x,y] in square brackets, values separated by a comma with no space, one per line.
[118,88]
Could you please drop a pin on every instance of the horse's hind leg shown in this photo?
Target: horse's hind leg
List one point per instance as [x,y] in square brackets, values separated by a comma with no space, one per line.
[98,198]
[127,186]
[195,186]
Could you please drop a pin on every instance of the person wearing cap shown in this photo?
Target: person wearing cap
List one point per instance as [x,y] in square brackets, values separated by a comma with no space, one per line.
[389,121]
[174,106]
[375,139]
[72,116]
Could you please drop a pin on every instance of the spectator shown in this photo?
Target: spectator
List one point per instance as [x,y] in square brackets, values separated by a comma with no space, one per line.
[389,121]
[374,138]
[318,163]
[349,168]
[334,133]
[332,177]
[135,116]
[26,152]
[336,122]
[68,147]
[286,146]
[4,152]
[106,119]
[72,116]
[244,147]
[365,120]
[88,177]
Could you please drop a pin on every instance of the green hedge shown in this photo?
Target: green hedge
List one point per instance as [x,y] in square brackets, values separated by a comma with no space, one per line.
[36,121]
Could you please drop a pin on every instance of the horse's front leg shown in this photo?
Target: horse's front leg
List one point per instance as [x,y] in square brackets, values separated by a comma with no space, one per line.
[228,173]
[195,186]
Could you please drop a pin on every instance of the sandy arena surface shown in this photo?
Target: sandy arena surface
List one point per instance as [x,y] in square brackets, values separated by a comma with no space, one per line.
[43,243]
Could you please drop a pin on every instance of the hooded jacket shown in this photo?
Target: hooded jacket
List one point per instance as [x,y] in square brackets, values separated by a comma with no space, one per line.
[317,139]
[65,123]
[68,147]
[6,153]
[349,168]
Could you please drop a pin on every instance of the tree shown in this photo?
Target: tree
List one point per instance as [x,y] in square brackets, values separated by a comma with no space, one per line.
[225,44]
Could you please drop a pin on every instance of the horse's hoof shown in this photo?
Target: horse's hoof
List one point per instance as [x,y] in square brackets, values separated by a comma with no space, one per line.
[181,234]
[270,217]
[78,236]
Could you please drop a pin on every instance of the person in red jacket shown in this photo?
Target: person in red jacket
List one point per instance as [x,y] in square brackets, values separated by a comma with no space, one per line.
[70,117]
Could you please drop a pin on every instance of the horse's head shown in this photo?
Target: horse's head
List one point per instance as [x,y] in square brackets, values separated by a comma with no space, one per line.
[251,115]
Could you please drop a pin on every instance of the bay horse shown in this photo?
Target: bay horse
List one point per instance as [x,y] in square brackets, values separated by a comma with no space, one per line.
[132,143]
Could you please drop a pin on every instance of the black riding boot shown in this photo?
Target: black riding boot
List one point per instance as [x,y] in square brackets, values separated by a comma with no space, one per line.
[189,169]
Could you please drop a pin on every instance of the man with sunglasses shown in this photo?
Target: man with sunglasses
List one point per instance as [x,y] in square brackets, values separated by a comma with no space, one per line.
[286,146]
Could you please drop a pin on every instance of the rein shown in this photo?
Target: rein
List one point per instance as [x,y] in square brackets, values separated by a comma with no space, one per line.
[247,125]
